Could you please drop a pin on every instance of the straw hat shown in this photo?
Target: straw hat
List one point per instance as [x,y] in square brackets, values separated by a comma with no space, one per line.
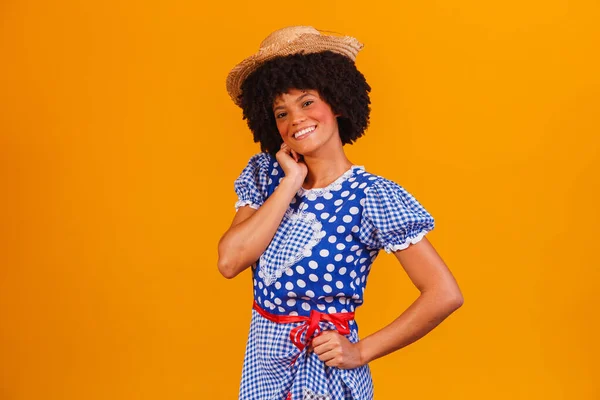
[287,41]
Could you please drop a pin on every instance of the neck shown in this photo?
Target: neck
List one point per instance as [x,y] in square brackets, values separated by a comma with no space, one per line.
[326,166]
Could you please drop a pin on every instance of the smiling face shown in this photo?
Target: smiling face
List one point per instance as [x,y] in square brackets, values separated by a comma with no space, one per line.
[305,122]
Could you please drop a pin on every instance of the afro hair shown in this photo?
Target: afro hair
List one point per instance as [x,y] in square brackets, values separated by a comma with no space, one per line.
[332,75]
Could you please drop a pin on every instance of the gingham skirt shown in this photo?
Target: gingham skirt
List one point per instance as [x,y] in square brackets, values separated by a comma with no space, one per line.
[275,368]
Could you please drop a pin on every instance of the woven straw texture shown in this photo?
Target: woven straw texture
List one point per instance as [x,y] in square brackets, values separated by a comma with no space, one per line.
[287,41]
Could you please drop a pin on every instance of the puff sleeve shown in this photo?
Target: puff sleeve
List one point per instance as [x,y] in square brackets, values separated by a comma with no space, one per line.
[251,186]
[392,219]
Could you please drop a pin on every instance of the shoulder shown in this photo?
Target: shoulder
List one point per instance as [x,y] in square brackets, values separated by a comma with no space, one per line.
[254,184]
[260,166]
[381,192]
[261,160]
[256,171]
[371,182]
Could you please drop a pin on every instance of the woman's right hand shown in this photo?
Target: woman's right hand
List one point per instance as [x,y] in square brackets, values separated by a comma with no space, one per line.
[294,168]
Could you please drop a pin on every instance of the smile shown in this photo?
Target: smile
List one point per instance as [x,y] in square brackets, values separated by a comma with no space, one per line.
[304,132]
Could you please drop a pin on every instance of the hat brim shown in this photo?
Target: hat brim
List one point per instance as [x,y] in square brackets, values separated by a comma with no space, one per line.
[305,43]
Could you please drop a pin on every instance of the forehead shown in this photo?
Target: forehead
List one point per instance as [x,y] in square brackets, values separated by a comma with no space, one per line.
[293,94]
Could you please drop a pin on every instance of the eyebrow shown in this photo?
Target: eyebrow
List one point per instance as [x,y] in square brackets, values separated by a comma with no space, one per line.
[297,100]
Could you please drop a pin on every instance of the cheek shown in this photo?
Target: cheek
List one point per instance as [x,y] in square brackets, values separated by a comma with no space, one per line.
[282,128]
[324,113]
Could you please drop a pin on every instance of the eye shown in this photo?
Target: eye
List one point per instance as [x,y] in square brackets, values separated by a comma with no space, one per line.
[308,103]
[280,115]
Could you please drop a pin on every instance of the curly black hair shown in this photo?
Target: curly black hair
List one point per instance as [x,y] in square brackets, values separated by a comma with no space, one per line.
[332,75]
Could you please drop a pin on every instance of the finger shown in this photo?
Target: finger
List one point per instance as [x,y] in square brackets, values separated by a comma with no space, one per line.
[328,356]
[329,343]
[295,155]
[321,338]
[327,335]
[334,363]
[284,148]
[324,348]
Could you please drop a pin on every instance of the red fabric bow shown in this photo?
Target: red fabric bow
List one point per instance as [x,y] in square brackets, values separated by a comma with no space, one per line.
[310,325]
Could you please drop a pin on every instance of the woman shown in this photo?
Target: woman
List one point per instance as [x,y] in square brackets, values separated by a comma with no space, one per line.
[310,223]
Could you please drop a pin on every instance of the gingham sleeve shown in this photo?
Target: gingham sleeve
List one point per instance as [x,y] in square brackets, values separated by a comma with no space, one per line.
[251,185]
[392,219]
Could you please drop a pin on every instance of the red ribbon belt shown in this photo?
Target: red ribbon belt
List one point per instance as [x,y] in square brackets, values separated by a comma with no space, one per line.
[310,325]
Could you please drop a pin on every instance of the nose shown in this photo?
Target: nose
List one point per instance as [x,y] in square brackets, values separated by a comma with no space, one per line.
[297,117]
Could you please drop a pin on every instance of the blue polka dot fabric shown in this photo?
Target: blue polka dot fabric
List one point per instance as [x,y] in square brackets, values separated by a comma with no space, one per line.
[318,260]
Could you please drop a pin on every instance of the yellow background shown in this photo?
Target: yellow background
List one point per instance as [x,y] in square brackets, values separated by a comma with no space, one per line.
[119,148]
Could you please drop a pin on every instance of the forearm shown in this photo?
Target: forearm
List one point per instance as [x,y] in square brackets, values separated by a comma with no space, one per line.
[424,314]
[243,243]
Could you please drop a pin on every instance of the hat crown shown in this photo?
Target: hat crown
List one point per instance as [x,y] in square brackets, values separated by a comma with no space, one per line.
[288,41]
[287,35]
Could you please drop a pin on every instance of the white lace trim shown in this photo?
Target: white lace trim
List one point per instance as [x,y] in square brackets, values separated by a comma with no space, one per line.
[315,225]
[242,203]
[333,186]
[395,247]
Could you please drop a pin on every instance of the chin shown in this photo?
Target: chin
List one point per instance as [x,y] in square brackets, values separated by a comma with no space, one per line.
[311,146]
[307,150]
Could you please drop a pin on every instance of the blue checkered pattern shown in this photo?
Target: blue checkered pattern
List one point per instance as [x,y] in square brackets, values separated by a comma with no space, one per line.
[392,217]
[268,373]
[319,259]
[295,232]
[251,185]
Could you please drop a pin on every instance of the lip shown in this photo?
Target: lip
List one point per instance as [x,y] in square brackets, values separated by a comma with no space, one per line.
[307,135]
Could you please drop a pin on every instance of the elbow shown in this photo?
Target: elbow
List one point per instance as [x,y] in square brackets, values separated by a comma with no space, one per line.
[224,263]
[226,269]
[231,261]
[454,300]
[457,302]
[447,300]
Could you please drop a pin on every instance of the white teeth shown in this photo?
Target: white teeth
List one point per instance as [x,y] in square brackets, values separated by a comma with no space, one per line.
[304,132]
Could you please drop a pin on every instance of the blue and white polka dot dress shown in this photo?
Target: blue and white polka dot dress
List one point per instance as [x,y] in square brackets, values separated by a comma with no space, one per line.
[318,260]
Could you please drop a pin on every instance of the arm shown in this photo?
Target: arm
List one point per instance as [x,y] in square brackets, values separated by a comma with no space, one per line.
[252,230]
[440,296]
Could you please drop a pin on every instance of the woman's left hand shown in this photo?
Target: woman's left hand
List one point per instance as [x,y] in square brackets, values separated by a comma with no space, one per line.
[336,351]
